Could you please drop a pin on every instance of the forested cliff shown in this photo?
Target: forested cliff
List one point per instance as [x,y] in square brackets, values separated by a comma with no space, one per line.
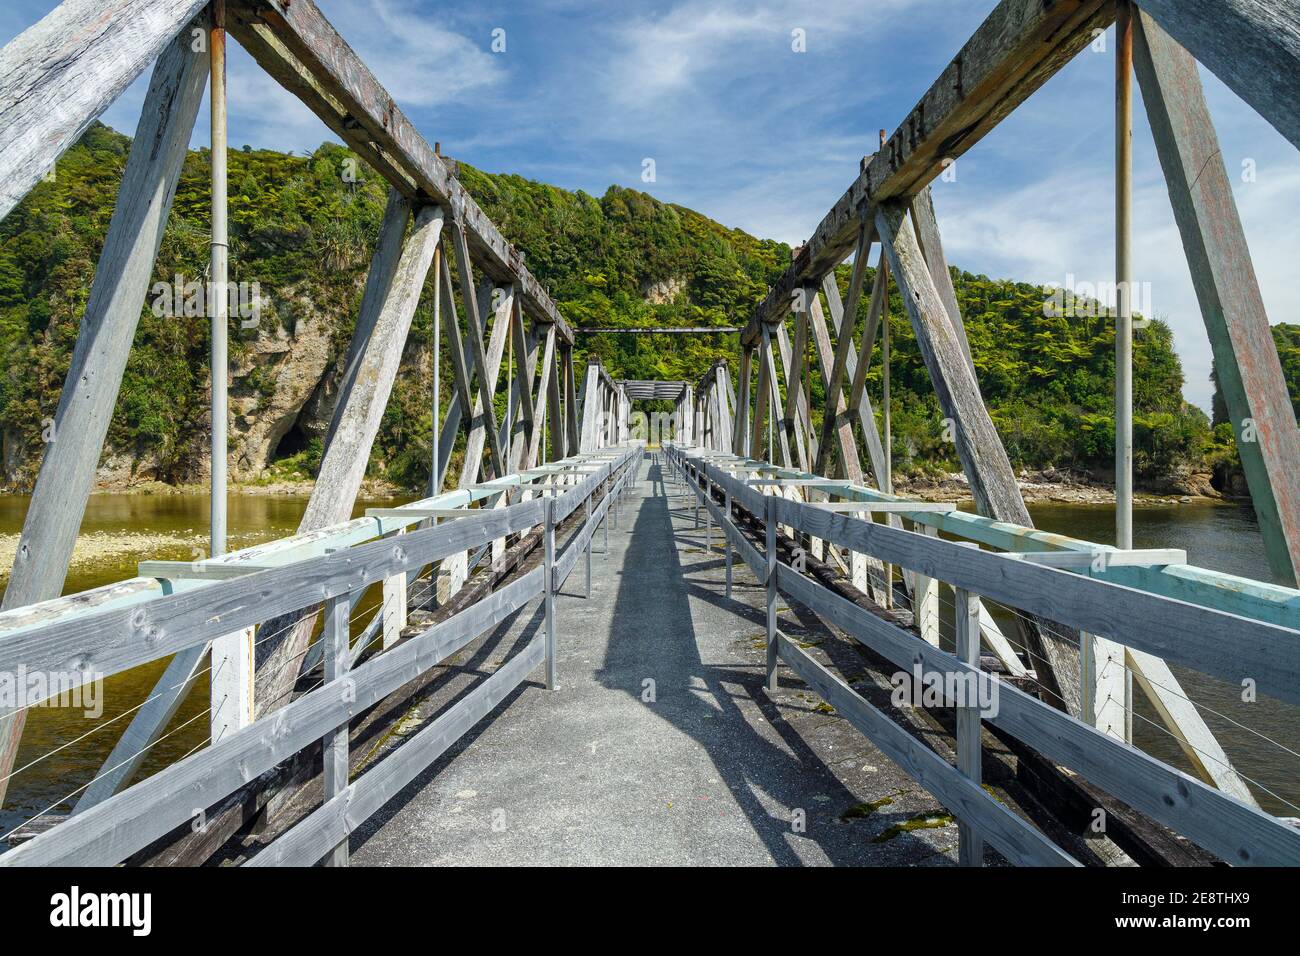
[303,231]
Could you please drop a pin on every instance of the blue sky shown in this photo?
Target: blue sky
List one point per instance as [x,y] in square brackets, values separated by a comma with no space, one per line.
[750,132]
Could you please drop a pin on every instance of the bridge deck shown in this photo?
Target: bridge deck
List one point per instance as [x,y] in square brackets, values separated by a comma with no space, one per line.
[708,773]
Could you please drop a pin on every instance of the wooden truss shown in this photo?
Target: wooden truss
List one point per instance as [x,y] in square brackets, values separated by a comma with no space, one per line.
[1020,46]
[491,306]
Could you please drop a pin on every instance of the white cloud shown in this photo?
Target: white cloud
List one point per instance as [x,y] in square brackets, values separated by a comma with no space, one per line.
[1063,224]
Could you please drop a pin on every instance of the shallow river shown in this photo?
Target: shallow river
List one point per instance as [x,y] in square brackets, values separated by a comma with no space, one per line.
[121,529]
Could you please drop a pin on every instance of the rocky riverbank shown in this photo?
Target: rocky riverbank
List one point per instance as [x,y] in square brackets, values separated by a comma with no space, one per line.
[1062,486]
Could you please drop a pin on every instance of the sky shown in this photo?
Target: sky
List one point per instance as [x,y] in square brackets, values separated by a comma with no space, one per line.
[756,134]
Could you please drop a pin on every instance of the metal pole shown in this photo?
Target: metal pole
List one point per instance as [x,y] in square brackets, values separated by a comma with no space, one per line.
[708,516]
[770,518]
[435,478]
[726,540]
[219,305]
[591,533]
[549,600]
[1124,314]
[1123,282]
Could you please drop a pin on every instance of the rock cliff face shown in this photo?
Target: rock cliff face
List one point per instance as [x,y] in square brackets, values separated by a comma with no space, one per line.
[282,393]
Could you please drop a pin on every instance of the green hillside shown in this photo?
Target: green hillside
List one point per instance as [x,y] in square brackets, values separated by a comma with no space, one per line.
[305,235]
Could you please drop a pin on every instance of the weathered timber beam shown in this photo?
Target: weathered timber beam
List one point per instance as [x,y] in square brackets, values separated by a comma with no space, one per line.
[547,393]
[352,433]
[849,458]
[61,73]
[117,293]
[983,458]
[659,330]
[486,389]
[1245,356]
[1252,45]
[836,406]
[1018,47]
[570,402]
[370,116]
[927,234]
[741,442]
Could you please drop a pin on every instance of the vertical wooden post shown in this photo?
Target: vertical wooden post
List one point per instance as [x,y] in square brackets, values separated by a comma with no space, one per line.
[1245,356]
[925,598]
[549,564]
[338,660]
[1106,686]
[971,846]
[983,456]
[394,607]
[726,539]
[708,515]
[770,519]
[591,533]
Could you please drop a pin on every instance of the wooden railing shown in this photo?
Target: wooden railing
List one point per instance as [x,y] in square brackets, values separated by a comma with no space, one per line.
[143,625]
[1214,642]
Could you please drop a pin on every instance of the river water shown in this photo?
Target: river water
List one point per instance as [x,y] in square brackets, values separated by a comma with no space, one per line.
[62,749]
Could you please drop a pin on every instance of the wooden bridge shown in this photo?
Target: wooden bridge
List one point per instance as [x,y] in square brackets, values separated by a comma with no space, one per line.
[337,695]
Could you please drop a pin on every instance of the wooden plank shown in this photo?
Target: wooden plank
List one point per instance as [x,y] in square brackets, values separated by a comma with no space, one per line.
[843,345]
[1016,839]
[525,343]
[591,410]
[969,755]
[117,294]
[1202,586]
[797,420]
[774,400]
[61,73]
[1210,641]
[338,658]
[342,813]
[486,385]
[571,442]
[925,602]
[876,312]
[848,447]
[479,424]
[119,638]
[388,250]
[547,401]
[1239,834]
[366,116]
[107,833]
[394,608]
[927,236]
[1245,356]
[1180,716]
[983,458]
[1252,45]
